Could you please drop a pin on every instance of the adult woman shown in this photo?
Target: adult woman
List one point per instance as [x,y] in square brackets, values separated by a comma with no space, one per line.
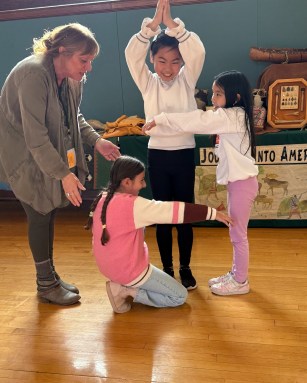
[41,135]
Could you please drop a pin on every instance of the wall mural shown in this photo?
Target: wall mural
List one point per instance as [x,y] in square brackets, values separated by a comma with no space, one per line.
[282,182]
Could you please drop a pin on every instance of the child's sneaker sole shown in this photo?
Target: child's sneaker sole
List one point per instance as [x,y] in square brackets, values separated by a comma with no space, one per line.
[191,287]
[230,287]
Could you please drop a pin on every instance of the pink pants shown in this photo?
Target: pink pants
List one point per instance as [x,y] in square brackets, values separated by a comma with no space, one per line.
[241,195]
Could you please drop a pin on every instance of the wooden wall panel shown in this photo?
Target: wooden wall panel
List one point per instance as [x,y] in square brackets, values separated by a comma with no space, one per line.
[29,9]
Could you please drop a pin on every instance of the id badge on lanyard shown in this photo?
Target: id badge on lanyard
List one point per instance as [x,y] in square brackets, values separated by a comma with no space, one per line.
[71,158]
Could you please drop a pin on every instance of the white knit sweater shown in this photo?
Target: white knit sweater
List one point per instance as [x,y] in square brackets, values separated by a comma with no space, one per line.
[169,97]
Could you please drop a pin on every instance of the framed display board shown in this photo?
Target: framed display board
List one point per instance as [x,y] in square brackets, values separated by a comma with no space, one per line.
[287,103]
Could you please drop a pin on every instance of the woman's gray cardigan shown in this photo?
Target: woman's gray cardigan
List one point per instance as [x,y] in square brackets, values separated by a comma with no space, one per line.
[33,157]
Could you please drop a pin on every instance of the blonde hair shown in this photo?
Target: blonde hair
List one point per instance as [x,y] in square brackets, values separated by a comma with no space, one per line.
[73,37]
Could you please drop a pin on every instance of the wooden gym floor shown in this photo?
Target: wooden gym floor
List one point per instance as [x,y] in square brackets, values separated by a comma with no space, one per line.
[257,338]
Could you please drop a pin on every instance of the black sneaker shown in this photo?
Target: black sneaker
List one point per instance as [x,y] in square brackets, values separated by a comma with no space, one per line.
[187,278]
[169,271]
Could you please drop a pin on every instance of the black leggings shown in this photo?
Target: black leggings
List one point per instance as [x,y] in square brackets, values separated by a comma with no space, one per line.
[172,178]
[40,233]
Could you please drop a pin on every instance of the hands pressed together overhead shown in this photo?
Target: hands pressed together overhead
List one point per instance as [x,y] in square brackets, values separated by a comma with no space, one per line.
[162,15]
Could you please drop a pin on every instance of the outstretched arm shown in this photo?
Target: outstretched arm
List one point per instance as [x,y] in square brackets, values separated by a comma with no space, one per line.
[147,212]
[230,121]
[196,213]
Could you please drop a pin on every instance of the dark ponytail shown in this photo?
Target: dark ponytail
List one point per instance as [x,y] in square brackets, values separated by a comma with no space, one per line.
[123,167]
[234,83]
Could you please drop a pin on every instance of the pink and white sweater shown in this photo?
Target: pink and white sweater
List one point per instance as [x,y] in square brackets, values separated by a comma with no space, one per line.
[124,259]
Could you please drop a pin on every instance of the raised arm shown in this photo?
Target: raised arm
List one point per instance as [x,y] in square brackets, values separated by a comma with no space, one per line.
[191,47]
[167,19]
[157,19]
[138,46]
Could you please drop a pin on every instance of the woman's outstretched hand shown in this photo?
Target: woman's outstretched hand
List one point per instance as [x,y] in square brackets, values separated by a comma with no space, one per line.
[107,149]
[222,217]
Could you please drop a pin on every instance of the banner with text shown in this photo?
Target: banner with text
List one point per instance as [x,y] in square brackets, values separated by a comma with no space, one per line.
[282,182]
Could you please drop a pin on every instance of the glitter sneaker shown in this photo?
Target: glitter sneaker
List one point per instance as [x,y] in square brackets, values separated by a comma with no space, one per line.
[222,278]
[230,287]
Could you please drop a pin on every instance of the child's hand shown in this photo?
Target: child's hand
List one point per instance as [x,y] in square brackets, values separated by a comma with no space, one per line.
[149,125]
[157,20]
[222,217]
[167,18]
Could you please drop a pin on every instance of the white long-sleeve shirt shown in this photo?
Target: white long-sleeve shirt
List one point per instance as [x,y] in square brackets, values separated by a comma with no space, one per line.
[174,96]
[235,159]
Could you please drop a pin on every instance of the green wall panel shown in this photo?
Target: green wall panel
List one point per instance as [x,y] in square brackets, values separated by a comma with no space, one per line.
[102,97]
[228,30]
[282,23]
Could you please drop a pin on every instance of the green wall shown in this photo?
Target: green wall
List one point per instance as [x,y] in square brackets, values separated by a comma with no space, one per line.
[227,29]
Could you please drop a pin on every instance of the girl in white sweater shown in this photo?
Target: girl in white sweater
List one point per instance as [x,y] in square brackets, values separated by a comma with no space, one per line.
[178,57]
[232,123]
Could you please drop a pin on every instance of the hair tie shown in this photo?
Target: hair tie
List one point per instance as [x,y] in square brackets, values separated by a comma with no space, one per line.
[48,44]
[91,214]
[104,226]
